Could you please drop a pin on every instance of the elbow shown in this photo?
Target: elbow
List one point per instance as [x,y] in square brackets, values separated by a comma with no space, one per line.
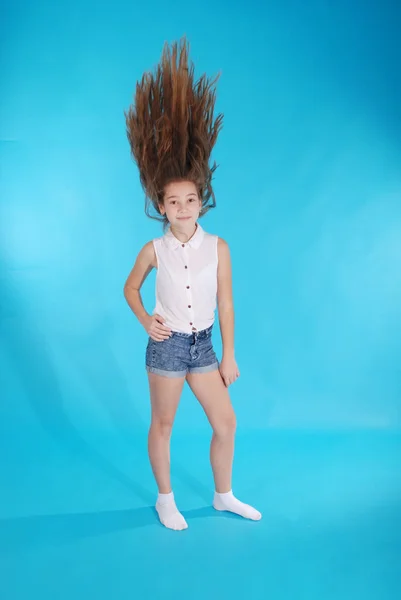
[128,290]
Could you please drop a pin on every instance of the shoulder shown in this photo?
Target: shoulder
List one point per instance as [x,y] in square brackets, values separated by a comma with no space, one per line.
[148,253]
[223,256]
[213,238]
[218,244]
[223,249]
[148,248]
[144,263]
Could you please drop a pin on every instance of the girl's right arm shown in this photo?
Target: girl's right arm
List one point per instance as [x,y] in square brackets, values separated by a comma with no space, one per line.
[144,263]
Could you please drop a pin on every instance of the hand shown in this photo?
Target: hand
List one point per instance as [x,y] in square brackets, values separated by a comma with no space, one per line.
[154,325]
[229,370]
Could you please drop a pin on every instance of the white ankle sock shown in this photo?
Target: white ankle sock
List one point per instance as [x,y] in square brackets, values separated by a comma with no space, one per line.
[228,501]
[168,512]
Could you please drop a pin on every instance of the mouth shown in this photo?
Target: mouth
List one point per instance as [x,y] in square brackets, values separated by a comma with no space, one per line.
[183,218]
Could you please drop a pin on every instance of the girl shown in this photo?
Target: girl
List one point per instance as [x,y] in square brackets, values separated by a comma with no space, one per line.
[171,131]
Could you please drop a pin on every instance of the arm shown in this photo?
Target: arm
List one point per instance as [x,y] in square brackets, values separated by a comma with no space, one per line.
[143,266]
[228,366]
[225,298]
[153,324]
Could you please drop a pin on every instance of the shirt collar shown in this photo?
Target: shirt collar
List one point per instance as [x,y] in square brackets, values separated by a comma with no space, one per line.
[194,242]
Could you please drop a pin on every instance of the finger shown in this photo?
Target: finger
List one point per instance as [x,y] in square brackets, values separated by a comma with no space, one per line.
[164,335]
[162,323]
[157,336]
[161,337]
[162,329]
[161,334]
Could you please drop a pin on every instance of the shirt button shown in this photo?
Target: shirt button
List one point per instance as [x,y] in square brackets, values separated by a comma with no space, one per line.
[191,323]
[186,267]
[187,287]
[189,306]
[183,245]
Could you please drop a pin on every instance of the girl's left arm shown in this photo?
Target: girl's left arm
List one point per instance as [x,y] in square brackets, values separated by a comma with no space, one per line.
[228,366]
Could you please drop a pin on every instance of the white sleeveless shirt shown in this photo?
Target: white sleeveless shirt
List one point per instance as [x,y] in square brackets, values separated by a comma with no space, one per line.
[186,280]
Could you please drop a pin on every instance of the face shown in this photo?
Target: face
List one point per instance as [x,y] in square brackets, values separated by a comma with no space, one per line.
[181,204]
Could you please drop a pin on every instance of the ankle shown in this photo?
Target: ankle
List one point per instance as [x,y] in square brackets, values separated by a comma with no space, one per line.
[165,498]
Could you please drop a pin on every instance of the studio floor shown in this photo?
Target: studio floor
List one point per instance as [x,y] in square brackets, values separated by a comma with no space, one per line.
[77,519]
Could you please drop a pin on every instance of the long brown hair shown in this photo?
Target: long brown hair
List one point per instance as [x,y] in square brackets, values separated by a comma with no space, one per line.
[171,128]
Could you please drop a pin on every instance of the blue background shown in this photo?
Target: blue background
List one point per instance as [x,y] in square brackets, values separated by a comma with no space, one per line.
[309,199]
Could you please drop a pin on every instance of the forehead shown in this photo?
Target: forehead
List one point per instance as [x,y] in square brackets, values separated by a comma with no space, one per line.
[180,189]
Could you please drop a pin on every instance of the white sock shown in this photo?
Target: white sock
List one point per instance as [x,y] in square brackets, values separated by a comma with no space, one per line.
[228,501]
[168,512]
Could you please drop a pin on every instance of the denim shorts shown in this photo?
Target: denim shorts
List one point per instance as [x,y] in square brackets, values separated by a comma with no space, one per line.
[182,353]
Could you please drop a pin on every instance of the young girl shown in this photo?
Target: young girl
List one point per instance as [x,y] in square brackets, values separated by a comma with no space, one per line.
[171,131]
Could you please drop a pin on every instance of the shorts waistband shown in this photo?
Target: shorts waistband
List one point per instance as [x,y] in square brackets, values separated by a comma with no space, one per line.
[199,334]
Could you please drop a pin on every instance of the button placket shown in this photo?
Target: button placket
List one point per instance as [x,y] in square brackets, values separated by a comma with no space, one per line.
[188,288]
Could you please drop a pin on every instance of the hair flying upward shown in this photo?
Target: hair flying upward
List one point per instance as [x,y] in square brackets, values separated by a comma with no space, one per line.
[171,128]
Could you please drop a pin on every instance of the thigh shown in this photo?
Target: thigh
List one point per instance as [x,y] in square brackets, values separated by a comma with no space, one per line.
[165,394]
[212,394]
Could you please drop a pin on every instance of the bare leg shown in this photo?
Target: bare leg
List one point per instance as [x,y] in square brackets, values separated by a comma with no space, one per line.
[213,395]
[165,395]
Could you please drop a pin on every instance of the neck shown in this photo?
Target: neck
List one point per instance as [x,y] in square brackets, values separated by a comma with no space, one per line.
[182,235]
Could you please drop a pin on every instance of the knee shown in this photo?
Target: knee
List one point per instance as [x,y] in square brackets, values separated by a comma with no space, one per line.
[161,427]
[226,427]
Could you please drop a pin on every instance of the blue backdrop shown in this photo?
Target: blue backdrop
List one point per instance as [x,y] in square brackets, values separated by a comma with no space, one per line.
[308,196]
